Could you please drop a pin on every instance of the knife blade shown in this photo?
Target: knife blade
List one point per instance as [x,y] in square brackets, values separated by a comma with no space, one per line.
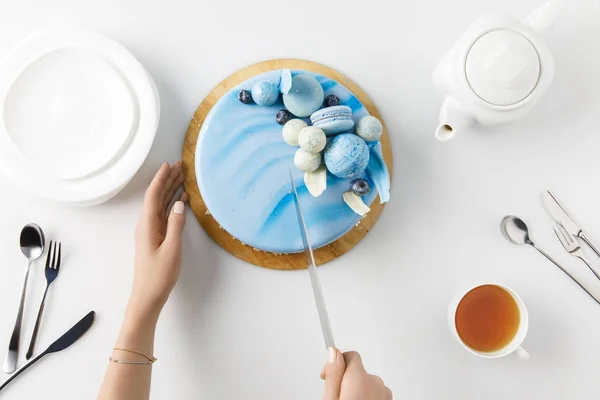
[560,215]
[312,270]
[66,340]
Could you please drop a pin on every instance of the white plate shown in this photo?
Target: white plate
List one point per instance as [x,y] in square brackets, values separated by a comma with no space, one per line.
[78,115]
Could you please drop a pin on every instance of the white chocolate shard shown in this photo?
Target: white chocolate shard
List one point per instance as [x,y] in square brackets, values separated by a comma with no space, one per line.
[316,182]
[356,203]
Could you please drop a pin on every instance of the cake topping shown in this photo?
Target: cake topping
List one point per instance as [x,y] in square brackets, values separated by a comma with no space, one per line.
[316,182]
[360,187]
[265,93]
[356,203]
[283,116]
[305,96]
[369,128]
[333,120]
[245,97]
[307,162]
[378,172]
[285,83]
[332,100]
[312,140]
[292,129]
[346,155]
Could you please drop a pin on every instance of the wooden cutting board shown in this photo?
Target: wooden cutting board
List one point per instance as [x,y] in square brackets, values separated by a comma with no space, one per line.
[219,235]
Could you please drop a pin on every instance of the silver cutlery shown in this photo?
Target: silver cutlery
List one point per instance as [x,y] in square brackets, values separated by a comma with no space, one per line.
[32,243]
[560,215]
[63,342]
[312,271]
[572,246]
[51,272]
[516,232]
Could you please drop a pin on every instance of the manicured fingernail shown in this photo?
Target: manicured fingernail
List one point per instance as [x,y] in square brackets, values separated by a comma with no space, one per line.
[179,207]
[331,355]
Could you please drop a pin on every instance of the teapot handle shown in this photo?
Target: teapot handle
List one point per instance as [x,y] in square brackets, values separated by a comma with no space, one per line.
[545,16]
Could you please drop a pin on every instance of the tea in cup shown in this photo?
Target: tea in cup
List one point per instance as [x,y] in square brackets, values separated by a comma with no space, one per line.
[490,321]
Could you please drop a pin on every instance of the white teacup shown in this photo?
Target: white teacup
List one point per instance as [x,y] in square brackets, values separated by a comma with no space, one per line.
[514,346]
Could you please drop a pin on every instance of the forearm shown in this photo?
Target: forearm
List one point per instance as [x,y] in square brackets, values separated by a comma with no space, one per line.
[131,381]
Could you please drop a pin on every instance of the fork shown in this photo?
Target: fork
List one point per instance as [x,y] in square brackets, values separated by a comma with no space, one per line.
[571,245]
[51,271]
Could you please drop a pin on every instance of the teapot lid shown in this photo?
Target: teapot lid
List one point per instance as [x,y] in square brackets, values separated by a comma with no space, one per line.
[502,67]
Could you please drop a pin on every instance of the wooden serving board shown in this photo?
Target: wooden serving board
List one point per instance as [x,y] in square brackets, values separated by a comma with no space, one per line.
[223,238]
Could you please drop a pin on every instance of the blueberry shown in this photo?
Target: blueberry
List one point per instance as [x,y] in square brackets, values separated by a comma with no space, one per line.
[283,116]
[332,100]
[245,97]
[360,187]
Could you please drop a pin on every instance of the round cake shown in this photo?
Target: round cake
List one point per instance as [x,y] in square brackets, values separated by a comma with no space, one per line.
[247,147]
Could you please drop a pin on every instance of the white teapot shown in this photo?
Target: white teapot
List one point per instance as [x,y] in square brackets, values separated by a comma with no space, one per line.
[496,71]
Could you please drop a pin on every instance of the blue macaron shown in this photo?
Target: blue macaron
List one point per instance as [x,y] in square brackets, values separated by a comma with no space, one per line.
[333,120]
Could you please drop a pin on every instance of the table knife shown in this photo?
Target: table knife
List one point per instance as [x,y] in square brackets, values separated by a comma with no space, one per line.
[312,270]
[561,216]
[66,340]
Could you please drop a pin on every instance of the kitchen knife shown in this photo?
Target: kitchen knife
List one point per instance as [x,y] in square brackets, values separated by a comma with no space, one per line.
[66,340]
[561,216]
[312,271]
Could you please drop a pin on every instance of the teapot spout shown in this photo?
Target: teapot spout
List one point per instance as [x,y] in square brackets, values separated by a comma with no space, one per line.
[444,132]
[452,119]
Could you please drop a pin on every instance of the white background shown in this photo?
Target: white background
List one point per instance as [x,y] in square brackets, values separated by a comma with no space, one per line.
[234,331]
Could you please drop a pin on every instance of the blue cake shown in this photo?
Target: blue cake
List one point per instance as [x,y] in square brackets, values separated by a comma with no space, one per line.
[243,163]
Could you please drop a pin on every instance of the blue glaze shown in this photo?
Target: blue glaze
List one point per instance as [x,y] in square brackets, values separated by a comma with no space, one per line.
[379,174]
[373,144]
[333,120]
[242,169]
[346,155]
[265,93]
[305,96]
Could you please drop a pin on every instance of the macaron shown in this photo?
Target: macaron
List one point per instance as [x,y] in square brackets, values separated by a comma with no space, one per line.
[333,120]
[305,96]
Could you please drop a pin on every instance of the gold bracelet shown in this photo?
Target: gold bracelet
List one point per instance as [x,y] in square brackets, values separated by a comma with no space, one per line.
[151,360]
[114,360]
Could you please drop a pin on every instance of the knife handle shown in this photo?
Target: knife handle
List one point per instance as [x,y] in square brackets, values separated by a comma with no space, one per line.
[589,287]
[589,264]
[589,243]
[21,370]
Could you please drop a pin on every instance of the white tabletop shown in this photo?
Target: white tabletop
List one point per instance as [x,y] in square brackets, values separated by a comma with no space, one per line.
[234,331]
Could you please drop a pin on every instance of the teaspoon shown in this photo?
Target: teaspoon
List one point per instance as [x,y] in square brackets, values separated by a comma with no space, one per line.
[516,232]
[32,245]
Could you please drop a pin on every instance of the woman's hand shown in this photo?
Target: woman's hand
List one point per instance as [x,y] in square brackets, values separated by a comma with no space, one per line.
[157,265]
[346,379]
[158,244]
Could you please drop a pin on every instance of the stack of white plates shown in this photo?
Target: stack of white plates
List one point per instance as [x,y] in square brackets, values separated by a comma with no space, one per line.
[78,116]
